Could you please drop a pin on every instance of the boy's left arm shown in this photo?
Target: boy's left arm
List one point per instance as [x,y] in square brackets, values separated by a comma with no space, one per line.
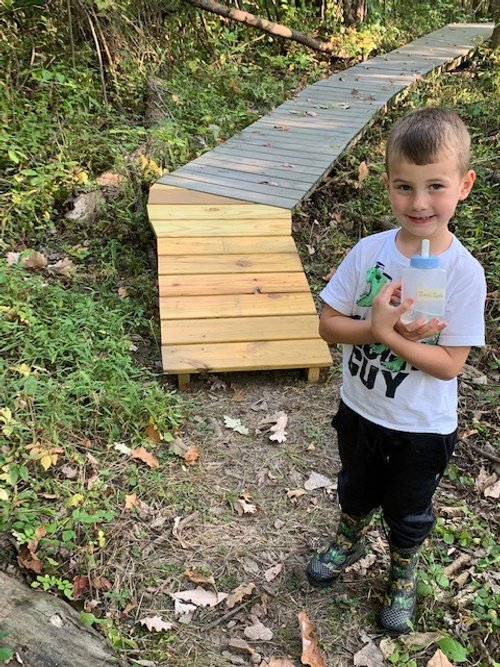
[442,362]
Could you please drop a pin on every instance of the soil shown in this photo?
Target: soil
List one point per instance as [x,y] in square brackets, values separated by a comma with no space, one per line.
[288,525]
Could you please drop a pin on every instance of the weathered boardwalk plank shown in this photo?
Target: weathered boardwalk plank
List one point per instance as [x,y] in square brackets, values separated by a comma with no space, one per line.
[233,295]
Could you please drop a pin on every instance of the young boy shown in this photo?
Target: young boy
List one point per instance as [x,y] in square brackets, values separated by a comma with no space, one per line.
[397,420]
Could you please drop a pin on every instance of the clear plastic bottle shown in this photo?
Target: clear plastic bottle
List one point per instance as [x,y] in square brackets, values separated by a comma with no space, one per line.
[425,283]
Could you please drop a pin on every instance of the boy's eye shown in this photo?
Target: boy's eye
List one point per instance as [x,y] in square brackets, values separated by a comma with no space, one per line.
[436,186]
[404,187]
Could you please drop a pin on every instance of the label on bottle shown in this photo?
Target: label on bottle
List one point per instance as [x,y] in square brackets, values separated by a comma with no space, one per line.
[430,294]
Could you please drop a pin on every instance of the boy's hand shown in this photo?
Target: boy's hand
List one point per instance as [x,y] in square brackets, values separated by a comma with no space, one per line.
[419,329]
[385,316]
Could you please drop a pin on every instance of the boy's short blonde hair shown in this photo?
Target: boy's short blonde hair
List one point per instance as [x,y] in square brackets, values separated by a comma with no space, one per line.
[422,136]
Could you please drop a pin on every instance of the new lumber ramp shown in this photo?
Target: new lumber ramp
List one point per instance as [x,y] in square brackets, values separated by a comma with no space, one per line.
[233,294]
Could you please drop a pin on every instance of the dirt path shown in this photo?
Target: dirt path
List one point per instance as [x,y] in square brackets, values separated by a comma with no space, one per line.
[220,535]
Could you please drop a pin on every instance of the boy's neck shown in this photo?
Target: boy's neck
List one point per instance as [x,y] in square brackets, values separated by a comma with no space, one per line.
[409,245]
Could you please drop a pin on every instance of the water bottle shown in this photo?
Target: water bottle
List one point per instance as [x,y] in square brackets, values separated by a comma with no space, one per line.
[425,283]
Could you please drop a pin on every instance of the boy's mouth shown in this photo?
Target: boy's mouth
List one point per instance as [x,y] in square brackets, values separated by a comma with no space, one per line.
[420,219]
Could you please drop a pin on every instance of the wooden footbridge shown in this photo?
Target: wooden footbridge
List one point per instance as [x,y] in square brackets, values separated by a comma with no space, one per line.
[233,294]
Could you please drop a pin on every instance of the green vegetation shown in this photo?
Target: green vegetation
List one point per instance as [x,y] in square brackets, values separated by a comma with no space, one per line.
[79,343]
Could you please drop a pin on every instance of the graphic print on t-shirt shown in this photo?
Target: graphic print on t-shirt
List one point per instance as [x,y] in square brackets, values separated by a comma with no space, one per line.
[393,369]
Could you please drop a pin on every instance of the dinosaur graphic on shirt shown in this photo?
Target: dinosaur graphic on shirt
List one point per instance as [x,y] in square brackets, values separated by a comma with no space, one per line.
[376,279]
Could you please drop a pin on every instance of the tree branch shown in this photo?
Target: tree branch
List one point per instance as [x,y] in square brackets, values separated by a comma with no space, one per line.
[275,29]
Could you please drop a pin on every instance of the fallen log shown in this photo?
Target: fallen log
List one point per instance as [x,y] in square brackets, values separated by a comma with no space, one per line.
[45,631]
[260,23]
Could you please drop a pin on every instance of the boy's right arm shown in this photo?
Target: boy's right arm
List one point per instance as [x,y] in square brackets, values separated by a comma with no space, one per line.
[334,327]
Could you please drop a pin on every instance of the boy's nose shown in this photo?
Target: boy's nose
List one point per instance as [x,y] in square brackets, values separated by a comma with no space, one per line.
[419,202]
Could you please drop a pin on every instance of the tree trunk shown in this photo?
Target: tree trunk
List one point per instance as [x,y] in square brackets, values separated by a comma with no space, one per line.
[495,38]
[275,29]
[45,631]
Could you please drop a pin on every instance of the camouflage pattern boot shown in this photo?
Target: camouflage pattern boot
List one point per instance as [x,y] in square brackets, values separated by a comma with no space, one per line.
[348,547]
[398,609]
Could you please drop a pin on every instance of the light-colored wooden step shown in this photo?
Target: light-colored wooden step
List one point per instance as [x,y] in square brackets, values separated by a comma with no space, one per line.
[243,283]
[239,329]
[228,245]
[185,265]
[269,226]
[258,355]
[236,305]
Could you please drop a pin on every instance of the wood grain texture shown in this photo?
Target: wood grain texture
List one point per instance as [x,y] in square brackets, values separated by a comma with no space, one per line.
[244,283]
[229,245]
[236,305]
[262,262]
[239,329]
[252,355]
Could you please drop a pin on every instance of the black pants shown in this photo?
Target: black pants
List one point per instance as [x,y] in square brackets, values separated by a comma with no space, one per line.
[394,470]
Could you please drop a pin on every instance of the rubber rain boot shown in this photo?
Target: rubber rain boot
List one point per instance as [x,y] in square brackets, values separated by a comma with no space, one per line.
[346,549]
[398,609]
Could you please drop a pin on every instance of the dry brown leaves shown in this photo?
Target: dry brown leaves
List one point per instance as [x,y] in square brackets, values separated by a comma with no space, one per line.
[311,654]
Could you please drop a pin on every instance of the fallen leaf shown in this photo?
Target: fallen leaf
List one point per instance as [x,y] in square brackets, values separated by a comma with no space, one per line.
[387,646]
[122,448]
[122,292]
[243,507]
[102,584]
[110,179]
[362,173]
[28,559]
[369,656]
[457,565]
[277,662]
[64,267]
[152,433]
[484,479]
[184,612]
[13,258]
[420,639]
[235,425]
[69,472]
[439,660]
[362,565]
[278,429]
[35,260]
[176,530]
[81,585]
[192,454]
[317,481]
[145,456]
[311,654]
[198,577]
[200,597]
[155,624]
[130,501]
[492,491]
[238,594]
[273,572]
[258,632]
[296,493]
[237,645]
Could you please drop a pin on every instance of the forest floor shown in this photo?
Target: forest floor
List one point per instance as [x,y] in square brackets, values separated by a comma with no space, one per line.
[251,512]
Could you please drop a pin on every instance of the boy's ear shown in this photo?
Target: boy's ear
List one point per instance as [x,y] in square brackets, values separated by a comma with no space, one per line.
[386,179]
[467,183]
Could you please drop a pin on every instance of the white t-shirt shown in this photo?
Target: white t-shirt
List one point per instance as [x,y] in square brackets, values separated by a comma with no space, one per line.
[376,383]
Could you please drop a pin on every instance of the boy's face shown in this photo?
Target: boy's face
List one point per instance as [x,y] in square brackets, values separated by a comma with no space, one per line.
[424,197]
